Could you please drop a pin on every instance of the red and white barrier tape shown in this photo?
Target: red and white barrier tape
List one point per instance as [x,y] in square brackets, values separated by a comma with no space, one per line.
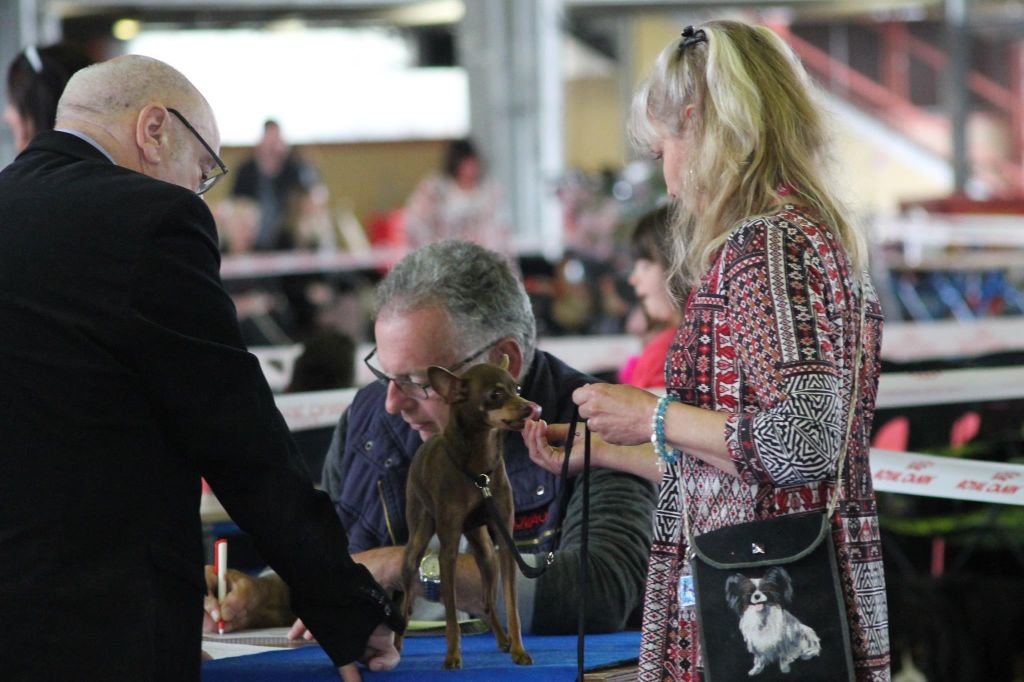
[907,473]
[950,478]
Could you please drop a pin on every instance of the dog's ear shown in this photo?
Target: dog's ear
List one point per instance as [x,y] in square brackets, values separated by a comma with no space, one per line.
[734,592]
[504,361]
[778,580]
[450,387]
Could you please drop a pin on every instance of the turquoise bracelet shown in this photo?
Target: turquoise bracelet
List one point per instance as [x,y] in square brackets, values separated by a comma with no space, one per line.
[667,455]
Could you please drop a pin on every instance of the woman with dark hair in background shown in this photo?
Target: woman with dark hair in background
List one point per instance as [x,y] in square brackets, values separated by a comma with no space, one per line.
[661,306]
[458,203]
[35,81]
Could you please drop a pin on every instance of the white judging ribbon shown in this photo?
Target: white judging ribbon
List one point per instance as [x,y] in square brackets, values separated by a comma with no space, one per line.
[901,342]
[908,341]
[303,411]
[951,478]
[917,232]
[911,389]
[281,263]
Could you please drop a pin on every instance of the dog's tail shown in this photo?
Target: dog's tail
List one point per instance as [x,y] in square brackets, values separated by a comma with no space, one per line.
[810,644]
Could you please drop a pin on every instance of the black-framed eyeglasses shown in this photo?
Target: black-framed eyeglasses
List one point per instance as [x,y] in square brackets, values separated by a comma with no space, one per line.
[209,179]
[414,389]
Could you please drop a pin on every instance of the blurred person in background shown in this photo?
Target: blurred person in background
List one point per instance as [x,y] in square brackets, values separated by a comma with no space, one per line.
[35,81]
[660,312]
[458,203]
[280,184]
[278,203]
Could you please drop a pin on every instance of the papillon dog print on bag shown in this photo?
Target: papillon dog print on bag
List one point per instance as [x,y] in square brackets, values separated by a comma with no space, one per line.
[772,634]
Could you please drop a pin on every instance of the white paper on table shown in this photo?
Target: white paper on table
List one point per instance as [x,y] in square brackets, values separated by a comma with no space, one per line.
[229,649]
[256,639]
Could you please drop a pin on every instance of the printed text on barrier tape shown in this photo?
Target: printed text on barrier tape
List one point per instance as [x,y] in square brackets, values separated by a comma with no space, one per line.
[947,477]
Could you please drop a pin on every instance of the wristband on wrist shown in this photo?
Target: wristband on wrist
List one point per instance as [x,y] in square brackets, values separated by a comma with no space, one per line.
[666,456]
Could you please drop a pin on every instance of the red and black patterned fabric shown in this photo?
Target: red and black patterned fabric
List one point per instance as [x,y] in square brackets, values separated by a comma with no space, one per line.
[770,336]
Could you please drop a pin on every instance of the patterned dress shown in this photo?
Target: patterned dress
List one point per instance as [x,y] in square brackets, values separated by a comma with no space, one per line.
[770,336]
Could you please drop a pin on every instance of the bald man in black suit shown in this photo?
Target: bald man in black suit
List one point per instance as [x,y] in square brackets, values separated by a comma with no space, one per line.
[123,379]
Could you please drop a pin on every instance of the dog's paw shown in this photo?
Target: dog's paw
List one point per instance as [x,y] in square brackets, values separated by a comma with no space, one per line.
[520,657]
[453,661]
[504,643]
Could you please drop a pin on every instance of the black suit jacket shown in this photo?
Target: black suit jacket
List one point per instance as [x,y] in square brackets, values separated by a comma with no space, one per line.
[123,378]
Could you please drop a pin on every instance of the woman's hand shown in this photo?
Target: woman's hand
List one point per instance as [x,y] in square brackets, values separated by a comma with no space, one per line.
[620,414]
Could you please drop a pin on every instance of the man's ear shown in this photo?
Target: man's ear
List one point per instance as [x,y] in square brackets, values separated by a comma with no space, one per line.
[509,347]
[450,387]
[151,133]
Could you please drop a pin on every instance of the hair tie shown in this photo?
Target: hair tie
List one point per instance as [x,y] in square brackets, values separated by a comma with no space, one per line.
[32,57]
[692,36]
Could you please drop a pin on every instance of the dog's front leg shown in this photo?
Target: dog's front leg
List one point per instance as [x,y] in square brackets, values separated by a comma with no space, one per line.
[449,534]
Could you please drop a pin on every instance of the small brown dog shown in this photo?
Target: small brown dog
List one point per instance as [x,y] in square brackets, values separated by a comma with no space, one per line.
[444,496]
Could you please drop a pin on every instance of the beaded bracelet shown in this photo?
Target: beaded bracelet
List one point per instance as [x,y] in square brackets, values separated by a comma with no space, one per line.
[665,455]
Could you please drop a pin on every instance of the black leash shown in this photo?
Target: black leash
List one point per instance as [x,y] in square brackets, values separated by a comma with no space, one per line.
[584,541]
[483,481]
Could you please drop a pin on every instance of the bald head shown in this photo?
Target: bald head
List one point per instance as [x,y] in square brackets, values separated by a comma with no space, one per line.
[123,104]
[124,85]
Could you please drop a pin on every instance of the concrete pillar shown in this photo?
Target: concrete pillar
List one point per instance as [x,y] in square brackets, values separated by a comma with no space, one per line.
[511,50]
[957,93]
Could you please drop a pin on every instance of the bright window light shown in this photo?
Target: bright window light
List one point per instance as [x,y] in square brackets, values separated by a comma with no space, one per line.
[322,85]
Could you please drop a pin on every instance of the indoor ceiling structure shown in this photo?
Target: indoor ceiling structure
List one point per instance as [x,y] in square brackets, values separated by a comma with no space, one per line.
[223,13]
[587,19]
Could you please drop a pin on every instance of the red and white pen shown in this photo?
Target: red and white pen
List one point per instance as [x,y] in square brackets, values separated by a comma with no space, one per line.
[220,567]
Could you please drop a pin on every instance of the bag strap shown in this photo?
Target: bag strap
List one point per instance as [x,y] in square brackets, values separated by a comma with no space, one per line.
[851,413]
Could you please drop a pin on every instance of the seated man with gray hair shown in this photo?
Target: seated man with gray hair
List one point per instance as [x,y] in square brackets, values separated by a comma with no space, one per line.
[455,304]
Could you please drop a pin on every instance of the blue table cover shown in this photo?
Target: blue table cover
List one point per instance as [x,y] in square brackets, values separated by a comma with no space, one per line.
[554,658]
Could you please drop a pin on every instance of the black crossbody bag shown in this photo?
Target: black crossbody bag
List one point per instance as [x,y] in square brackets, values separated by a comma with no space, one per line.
[768,595]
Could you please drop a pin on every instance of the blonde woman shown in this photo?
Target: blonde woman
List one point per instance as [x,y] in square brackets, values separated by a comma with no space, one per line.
[761,372]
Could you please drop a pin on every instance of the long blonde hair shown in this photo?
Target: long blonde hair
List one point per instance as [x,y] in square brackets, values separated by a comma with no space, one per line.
[755,129]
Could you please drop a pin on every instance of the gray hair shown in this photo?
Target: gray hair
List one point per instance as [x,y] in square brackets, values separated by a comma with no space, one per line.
[477,288]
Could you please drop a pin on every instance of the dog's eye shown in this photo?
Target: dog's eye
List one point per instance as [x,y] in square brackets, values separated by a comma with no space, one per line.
[496,396]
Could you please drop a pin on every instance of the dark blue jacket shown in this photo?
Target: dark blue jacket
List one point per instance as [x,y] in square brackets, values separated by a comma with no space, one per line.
[368,462]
